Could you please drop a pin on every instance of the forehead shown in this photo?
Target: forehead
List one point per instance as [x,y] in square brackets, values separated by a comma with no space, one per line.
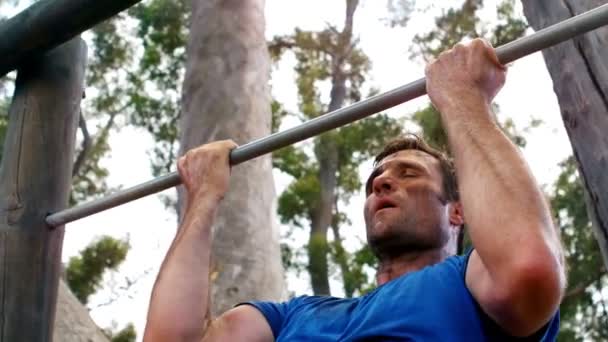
[419,158]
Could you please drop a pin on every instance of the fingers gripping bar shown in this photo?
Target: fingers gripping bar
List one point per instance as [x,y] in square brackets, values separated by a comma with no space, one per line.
[506,54]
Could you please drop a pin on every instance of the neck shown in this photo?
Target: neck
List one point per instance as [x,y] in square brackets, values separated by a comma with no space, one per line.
[394,266]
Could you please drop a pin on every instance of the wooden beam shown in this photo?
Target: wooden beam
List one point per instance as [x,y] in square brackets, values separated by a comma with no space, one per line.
[580,79]
[49,23]
[35,178]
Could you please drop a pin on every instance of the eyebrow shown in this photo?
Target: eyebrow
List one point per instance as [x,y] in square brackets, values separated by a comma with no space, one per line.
[400,164]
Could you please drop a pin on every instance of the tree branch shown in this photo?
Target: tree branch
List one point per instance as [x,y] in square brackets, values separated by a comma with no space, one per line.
[116,292]
[87,141]
[86,145]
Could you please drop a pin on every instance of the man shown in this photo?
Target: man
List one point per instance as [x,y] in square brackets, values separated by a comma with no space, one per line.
[509,285]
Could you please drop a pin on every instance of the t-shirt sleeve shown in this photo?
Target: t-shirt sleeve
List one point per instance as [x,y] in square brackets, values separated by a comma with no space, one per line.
[273,312]
[494,332]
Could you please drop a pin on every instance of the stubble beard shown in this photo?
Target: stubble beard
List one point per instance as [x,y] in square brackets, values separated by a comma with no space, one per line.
[404,234]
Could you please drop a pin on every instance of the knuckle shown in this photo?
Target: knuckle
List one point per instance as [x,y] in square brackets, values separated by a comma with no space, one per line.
[189,155]
[229,143]
[480,44]
[459,47]
[477,41]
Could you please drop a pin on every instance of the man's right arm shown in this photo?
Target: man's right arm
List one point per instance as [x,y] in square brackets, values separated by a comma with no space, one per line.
[180,306]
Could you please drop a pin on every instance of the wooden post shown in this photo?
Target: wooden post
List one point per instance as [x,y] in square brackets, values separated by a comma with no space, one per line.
[49,23]
[35,178]
[580,79]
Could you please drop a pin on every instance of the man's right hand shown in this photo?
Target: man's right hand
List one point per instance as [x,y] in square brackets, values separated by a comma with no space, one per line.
[180,301]
[205,170]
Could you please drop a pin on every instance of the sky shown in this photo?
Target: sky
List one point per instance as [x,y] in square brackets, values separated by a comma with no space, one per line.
[150,228]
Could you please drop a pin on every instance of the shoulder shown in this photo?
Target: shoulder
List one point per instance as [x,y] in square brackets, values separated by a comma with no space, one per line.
[276,314]
[242,323]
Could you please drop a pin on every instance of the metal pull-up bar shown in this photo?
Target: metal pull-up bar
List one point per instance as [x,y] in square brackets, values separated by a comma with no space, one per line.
[507,53]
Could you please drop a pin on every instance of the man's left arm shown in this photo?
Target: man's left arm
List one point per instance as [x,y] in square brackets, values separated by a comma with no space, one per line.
[516,272]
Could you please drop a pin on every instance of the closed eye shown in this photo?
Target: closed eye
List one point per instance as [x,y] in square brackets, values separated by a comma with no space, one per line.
[407,173]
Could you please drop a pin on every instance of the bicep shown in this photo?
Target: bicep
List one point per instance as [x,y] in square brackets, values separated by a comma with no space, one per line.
[484,290]
[243,323]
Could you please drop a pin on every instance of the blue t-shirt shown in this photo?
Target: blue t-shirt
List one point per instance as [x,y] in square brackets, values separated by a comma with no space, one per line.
[432,304]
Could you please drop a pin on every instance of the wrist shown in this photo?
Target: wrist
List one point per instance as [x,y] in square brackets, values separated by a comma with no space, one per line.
[460,101]
[199,214]
[467,116]
[206,193]
[465,107]
[205,199]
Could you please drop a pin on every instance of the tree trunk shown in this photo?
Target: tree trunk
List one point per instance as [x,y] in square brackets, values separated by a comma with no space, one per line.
[35,179]
[226,95]
[580,80]
[327,153]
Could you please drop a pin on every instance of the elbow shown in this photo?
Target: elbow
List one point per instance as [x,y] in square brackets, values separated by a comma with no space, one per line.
[171,330]
[535,289]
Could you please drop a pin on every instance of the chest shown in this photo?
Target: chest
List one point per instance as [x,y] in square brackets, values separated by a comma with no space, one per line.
[419,308]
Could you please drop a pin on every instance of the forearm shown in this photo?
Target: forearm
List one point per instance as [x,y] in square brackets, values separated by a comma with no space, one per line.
[179,306]
[507,216]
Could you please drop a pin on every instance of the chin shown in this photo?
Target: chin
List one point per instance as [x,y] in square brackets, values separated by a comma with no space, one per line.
[386,241]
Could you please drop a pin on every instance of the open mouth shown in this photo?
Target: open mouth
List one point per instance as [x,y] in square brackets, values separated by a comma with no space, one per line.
[385,204]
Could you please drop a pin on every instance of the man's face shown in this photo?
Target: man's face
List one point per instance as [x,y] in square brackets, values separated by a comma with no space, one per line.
[405,209]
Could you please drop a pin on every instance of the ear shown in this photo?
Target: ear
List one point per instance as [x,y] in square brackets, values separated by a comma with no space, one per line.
[456,214]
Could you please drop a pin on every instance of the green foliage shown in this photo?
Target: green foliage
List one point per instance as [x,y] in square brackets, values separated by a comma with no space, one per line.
[84,273]
[583,312]
[358,266]
[89,180]
[399,11]
[155,94]
[105,102]
[330,55]
[126,334]
[429,121]
[509,26]
[464,23]
[278,113]
[455,25]
[297,202]
[290,258]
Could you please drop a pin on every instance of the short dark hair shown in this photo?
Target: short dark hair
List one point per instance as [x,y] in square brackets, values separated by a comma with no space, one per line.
[448,172]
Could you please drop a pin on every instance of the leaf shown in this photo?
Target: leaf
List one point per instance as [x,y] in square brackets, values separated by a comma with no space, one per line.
[84,273]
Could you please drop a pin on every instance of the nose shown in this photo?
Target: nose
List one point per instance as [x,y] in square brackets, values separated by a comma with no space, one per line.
[383,184]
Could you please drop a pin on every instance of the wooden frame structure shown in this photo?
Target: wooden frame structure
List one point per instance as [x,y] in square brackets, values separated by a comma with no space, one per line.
[35,175]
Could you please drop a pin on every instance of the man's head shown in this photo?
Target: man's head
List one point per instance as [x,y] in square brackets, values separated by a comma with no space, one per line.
[412,200]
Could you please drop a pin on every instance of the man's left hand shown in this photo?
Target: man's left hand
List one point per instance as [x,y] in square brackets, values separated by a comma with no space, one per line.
[467,72]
